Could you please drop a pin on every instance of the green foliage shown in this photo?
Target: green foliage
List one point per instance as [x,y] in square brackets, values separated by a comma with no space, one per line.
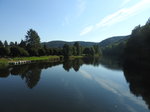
[114,47]
[1,44]
[86,51]
[41,52]
[112,40]
[4,51]
[18,51]
[74,51]
[66,51]
[91,51]
[33,39]
[33,52]
[77,46]
[5,43]
[22,44]
[97,50]
[138,46]
[12,44]
[60,44]
[114,50]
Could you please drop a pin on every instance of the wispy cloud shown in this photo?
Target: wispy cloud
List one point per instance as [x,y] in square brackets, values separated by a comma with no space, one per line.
[86,30]
[118,16]
[81,6]
[125,2]
[85,74]
[124,13]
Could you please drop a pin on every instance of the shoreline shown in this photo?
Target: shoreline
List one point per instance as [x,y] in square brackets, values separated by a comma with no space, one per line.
[5,62]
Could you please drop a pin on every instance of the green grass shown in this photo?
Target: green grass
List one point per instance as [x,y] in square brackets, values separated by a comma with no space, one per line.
[75,57]
[36,58]
[4,61]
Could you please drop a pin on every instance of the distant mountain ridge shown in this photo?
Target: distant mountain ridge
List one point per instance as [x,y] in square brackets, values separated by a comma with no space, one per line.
[113,40]
[104,43]
[59,44]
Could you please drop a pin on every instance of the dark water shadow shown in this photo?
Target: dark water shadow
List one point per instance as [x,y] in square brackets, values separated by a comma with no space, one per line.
[138,77]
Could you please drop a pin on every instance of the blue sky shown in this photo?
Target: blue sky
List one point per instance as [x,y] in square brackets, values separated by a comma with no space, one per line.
[71,20]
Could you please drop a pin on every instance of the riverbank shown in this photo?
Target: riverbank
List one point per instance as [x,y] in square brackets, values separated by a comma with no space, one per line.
[4,62]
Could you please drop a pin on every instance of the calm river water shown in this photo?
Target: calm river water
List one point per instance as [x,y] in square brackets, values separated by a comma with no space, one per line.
[89,85]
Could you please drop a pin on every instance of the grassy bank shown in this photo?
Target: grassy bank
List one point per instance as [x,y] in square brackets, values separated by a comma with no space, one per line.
[4,62]
[53,58]
[75,57]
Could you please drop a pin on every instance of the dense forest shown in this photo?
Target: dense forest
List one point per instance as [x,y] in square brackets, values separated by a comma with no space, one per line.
[135,47]
[32,46]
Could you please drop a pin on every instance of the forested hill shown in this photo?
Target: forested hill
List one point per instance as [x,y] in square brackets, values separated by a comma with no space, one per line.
[113,40]
[104,43]
[58,44]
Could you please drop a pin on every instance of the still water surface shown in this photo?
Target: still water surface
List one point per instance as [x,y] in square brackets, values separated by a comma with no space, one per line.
[72,86]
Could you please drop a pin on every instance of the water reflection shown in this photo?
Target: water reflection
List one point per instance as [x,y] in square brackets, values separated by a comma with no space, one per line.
[111,63]
[136,75]
[4,72]
[77,63]
[30,72]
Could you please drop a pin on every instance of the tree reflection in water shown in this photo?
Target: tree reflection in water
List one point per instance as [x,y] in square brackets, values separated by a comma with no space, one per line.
[30,72]
[137,75]
[77,63]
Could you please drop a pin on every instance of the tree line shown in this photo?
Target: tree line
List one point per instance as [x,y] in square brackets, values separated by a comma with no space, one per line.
[137,49]
[31,46]
[134,48]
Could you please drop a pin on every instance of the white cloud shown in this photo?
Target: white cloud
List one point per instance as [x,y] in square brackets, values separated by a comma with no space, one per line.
[124,14]
[86,30]
[119,16]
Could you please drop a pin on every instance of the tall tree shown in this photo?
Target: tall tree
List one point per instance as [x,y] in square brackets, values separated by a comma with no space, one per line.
[11,44]
[74,51]
[66,51]
[1,44]
[33,39]
[97,50]
[16,43]
[5,43]
[76,44]
[22,44]
[4,51]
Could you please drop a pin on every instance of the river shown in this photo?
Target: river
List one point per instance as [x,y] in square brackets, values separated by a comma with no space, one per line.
[89,85]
